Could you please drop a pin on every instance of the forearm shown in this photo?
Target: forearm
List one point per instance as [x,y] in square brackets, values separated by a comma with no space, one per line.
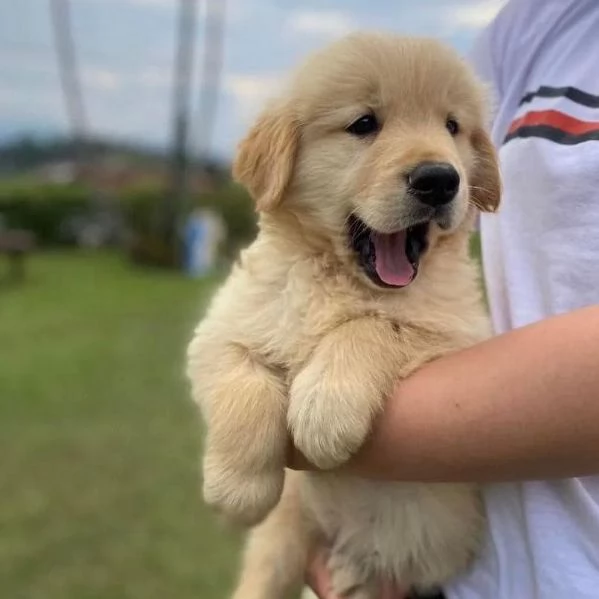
[524,405]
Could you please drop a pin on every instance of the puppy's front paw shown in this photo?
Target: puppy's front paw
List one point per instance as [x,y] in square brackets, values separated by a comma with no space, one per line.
[329,417]
[245,498]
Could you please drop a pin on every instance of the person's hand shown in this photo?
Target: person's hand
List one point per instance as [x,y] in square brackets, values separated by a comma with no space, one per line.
[318,579]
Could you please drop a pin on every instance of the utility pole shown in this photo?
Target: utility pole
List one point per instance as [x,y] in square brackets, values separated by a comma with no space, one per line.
[183,67]
[214,30]
[69,78]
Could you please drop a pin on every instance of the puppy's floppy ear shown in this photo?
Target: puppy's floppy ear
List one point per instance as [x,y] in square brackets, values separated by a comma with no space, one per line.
[266,156]
[485,191]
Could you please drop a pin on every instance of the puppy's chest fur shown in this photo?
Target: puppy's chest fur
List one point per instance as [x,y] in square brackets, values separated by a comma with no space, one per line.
[413,533]
[383,526]
[295,305]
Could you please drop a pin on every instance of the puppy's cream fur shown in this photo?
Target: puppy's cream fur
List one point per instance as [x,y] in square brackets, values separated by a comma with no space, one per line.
[298,341]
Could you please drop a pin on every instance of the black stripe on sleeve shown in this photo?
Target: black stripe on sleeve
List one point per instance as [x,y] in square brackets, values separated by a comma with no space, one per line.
[572,93]
[552,134]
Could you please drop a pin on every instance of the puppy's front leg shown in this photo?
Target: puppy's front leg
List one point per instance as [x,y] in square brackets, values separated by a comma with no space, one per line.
[276,552]
[244,404]
[336,395]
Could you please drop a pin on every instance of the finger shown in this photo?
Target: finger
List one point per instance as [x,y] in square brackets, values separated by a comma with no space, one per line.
[318,578]
[390,591]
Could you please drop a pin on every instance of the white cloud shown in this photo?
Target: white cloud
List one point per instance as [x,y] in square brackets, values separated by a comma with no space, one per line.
[471,15]
[322,23]
[102,79]
[155,78]
[251,92]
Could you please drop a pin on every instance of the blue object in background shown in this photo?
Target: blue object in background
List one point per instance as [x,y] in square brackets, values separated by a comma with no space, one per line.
[194,238]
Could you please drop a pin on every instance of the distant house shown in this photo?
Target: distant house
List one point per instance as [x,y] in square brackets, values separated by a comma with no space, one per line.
[111,174]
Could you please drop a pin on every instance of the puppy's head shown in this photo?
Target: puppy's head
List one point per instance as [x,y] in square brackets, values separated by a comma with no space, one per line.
[379,143]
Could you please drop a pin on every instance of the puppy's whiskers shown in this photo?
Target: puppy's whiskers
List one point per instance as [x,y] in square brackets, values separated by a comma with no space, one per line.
[358,226]
[473,199]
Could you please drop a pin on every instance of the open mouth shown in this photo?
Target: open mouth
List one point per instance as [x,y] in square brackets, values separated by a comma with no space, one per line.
[388,259]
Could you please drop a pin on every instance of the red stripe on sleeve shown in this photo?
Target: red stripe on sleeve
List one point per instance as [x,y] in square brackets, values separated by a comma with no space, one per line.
[556,119]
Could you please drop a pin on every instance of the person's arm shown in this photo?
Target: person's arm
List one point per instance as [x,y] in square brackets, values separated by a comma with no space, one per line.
[523,405]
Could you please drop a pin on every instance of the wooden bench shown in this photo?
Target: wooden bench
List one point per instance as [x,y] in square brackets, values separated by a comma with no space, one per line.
[16,244]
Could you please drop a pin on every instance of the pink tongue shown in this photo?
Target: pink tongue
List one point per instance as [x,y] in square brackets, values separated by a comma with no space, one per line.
[391,263]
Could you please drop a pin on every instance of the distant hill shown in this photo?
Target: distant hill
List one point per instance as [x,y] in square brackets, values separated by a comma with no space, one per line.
[23,154]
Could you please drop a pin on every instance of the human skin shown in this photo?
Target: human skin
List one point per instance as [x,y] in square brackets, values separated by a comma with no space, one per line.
[521,406]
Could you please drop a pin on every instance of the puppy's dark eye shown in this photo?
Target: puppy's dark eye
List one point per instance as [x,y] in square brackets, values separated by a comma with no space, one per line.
[365,125]
[452,126]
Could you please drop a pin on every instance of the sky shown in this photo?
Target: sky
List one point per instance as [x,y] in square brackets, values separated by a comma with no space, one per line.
[126,50]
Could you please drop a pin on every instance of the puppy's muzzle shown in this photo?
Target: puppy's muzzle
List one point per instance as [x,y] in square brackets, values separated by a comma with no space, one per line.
[434,183]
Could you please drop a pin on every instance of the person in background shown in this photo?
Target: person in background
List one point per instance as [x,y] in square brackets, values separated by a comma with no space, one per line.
[523,406]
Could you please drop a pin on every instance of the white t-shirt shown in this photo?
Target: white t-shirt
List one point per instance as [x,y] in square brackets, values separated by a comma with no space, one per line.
[541,257]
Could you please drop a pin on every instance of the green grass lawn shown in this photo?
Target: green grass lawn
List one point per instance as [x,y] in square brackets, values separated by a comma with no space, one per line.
[99,442]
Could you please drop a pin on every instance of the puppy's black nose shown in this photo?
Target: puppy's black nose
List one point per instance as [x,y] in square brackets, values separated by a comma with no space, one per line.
[434,183]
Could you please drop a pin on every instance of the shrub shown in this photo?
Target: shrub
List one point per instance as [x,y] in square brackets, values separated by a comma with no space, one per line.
[143,211]
[42,209]
[236,208]
[46,210]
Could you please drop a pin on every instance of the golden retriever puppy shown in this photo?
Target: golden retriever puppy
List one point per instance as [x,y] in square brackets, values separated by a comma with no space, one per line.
[367,173]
